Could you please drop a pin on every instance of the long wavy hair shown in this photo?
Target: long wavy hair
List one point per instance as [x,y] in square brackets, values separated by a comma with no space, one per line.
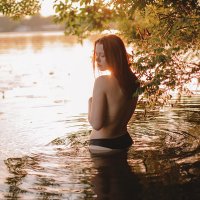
[118,61]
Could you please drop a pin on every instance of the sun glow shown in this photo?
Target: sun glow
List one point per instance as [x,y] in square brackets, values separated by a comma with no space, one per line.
[47,8]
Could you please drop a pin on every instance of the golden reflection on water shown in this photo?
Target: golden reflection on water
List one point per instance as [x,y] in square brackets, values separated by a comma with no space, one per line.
[46,65]
[45,80]
[65,169]
[36,41]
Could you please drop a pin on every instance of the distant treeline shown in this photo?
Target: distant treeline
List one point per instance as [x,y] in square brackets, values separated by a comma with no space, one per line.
[35,23]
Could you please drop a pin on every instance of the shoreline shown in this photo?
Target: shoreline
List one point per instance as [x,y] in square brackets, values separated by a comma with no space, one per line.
[30,33]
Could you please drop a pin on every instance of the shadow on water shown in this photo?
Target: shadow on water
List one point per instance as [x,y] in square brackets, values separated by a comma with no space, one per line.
[115,178]
[163,163]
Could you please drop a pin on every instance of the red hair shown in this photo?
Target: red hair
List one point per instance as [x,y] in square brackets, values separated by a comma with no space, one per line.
[117,59]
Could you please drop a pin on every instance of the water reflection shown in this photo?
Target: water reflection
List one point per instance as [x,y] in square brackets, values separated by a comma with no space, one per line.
[115,178]
[40,91]
[65,169]
[35,41]
[52,173]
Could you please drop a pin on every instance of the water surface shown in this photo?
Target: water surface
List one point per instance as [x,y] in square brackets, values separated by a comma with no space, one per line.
[45,81]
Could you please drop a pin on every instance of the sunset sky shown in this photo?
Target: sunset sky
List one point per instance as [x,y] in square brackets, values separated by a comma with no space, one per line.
[47,7]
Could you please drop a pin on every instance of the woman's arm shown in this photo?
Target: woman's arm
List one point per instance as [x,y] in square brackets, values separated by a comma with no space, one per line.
[89,107]
[97,104]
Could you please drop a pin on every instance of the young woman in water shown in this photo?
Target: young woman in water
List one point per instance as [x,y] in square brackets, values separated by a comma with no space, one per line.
[114,97]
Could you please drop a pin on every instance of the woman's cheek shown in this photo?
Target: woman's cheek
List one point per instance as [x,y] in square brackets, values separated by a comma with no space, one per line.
[104,62]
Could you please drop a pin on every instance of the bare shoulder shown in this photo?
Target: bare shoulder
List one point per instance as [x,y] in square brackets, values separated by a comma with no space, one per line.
[103,78]
[107,84]
[102,81]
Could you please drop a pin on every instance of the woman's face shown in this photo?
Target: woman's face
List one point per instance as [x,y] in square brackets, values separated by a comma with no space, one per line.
[100,58]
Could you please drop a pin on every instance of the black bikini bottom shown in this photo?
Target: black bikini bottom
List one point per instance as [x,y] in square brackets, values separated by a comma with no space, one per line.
[121,142]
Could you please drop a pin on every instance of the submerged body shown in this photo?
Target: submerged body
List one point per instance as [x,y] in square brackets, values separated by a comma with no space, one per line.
[110,108]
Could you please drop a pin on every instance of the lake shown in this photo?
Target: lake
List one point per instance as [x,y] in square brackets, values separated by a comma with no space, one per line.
[45,82]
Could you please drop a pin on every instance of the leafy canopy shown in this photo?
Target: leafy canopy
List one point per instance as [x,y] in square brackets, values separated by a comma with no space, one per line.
[163,34]
[19,8]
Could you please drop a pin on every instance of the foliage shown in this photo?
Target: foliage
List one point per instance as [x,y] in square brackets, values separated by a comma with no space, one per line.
[163,34]
[83,17]
[19,8]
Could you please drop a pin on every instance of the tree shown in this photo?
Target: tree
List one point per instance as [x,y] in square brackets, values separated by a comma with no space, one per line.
[164,35]
[19,8]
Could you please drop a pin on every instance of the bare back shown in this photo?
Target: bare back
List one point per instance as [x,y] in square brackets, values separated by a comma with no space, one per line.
[117,109]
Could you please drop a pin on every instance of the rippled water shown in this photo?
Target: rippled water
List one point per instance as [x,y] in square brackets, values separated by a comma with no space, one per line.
[50,157]
[163,163]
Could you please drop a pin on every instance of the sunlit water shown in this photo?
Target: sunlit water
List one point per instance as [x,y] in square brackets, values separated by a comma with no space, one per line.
[45,81]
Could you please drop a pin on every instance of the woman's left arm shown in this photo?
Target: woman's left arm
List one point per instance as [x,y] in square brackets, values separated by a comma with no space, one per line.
[89,107]
[97,104]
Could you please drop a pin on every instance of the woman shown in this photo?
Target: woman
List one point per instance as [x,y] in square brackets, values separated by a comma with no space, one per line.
[114,97]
